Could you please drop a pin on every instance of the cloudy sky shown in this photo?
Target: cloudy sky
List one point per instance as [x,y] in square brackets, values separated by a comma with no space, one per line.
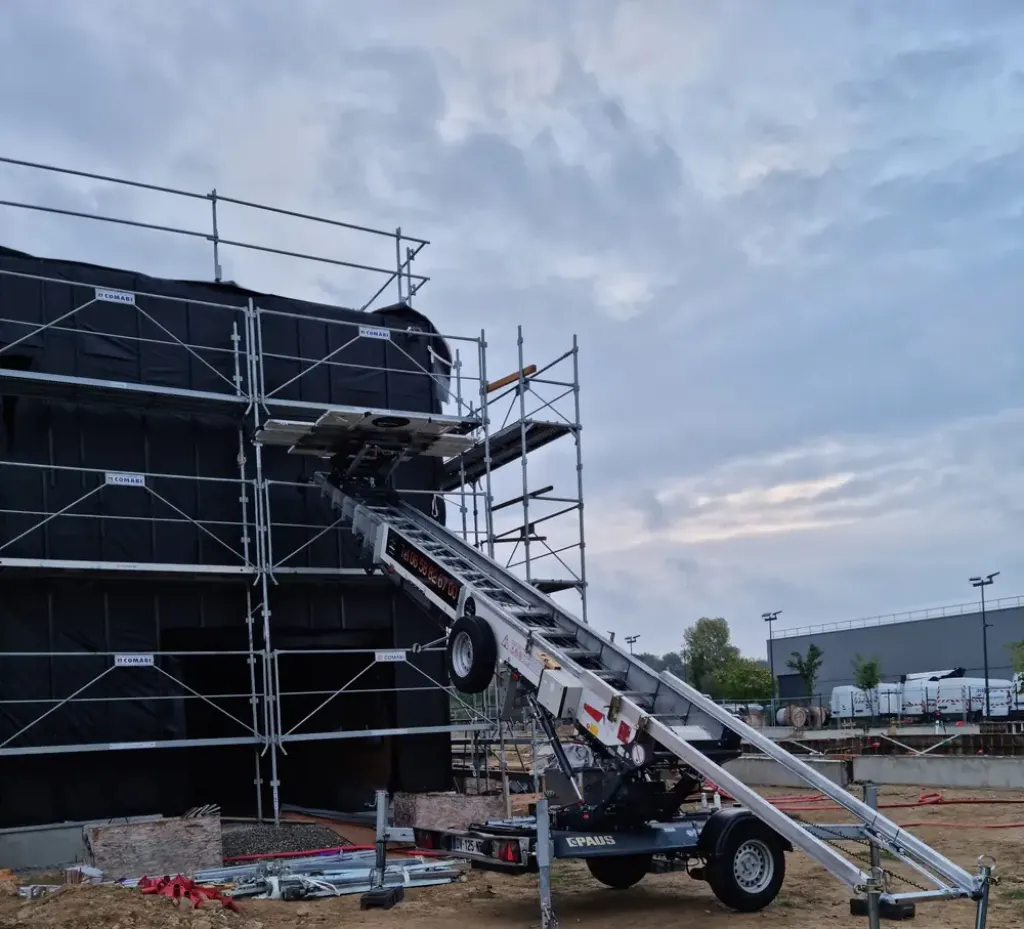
[790,236]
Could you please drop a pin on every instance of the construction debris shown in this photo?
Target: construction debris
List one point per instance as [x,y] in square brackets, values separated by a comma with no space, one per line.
[162,846]
[300,878]
[353,880]
[445,810]
[181,888]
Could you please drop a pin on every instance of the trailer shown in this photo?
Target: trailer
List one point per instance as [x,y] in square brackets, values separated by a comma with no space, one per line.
[654,737]
[741,859]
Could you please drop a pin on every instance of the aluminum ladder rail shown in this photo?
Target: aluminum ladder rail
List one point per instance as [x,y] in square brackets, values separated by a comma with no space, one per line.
[527,611]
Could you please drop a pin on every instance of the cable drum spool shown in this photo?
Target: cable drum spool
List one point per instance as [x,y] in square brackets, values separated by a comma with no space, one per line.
[793,715]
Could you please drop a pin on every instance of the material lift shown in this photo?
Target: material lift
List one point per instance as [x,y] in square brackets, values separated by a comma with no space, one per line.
[654,736]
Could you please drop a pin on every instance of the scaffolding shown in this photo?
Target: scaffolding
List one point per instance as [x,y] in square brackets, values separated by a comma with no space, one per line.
[248,380]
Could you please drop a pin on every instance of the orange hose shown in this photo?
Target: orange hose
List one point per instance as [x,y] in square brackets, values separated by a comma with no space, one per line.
[809,803]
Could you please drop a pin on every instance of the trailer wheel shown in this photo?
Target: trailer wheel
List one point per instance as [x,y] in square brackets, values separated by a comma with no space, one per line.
[472,654]
[619,871]
[748,868]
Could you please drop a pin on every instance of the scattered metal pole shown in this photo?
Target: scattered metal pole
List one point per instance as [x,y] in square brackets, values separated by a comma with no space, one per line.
[548,920]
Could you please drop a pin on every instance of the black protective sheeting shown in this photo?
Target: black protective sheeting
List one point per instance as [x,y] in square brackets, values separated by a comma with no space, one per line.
[189,444]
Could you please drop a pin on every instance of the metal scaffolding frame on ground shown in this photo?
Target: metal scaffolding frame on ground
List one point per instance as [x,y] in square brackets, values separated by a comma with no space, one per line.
[264,556]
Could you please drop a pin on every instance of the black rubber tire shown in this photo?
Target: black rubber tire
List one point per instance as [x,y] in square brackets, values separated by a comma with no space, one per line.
[477,678]
[619,871]
[721,871]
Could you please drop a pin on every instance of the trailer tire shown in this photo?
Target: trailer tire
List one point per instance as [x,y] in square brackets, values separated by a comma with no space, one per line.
[619,871]
[471,655]
[748,867]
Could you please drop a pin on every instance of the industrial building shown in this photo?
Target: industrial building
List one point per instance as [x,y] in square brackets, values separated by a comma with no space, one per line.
[182,621]
[925,640]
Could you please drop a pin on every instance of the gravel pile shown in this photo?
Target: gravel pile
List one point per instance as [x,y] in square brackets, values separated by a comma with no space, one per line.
[288,837]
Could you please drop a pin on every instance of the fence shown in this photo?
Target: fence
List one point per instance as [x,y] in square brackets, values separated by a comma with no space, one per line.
[944,700]
[404,248]
[888,619]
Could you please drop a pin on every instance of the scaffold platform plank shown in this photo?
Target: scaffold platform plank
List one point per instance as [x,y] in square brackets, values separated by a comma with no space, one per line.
[554,585]
[368,438]
[505,446]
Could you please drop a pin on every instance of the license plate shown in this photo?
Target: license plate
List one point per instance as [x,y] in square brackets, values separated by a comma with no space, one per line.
[470,846]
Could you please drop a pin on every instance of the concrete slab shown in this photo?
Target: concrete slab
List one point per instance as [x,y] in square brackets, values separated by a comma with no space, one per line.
[965,771]
[782,733]
[760,771]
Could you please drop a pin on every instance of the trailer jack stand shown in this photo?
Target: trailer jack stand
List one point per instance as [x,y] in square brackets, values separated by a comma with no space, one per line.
[875,908]
[380,897]
[548,920]
[985,866]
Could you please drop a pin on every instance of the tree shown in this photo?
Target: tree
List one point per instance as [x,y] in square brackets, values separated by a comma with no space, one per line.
[867,672]
[674,663]
[706,650]
[807,666]
[655,662]
[742,679]
[1016,650]
[670,661]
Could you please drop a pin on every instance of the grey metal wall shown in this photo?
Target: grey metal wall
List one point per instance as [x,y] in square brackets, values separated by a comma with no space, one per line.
[903,648]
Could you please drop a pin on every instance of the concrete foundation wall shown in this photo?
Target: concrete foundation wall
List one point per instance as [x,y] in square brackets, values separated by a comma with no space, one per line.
[941,771]
[51,846]
[759,771]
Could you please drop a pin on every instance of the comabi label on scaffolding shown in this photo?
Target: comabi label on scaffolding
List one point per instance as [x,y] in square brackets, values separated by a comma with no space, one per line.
[124,479]
[374,332]
[134,661]
[115,296]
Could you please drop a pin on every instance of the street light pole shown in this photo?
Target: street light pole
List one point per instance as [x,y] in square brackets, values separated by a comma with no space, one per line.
[630,639]
[981,583]
[770,618]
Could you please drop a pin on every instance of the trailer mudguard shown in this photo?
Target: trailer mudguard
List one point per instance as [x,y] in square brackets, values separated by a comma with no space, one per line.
[721,823]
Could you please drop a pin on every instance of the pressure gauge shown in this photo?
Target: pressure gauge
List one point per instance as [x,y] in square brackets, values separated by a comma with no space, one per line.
[638,754]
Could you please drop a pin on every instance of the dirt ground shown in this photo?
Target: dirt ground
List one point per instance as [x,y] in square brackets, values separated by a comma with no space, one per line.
[809,898]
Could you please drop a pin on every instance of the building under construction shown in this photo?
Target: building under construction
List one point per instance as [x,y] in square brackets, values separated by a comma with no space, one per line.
[182,621]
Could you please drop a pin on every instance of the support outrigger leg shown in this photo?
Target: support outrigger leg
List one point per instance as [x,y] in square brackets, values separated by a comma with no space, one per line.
[985,866]
[548,920]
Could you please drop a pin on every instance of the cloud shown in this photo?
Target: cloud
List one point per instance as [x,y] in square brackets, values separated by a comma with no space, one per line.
[839,506]
[789,238]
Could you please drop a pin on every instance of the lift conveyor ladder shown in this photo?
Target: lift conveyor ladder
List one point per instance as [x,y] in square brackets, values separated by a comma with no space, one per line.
[618,699]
